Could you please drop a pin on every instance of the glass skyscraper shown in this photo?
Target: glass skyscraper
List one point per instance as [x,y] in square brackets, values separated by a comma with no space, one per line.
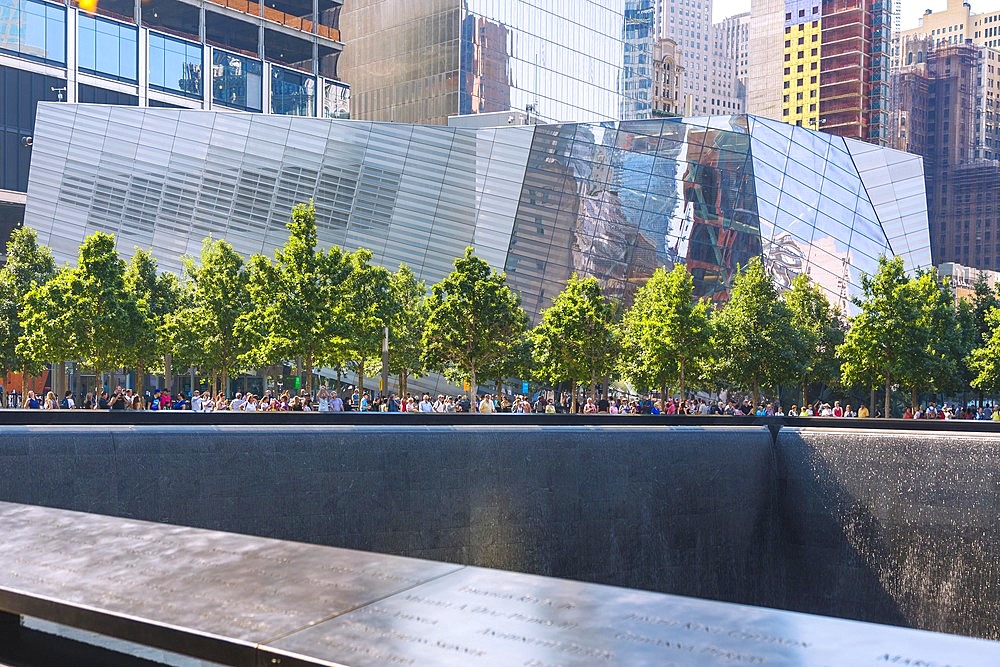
[421,62]
[279,57]
[614,200]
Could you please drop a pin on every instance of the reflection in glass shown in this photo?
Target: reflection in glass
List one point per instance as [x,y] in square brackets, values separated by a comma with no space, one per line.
[35,30]
[175,65]
[108,48]
[237,81]
[336,100]
[292,93]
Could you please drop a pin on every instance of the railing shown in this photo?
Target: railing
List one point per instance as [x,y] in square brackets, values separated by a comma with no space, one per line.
[280,17]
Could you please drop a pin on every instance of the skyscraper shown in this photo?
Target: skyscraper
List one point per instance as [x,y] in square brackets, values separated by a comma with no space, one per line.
[221,54]
[831,69]
[421,62]
[734,36]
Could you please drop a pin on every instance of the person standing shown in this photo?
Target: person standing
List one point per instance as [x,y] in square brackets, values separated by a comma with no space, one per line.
[336,403]
[486,405]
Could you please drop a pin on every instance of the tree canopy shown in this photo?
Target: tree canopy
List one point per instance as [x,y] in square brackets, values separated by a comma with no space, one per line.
[666,334]
[474,321]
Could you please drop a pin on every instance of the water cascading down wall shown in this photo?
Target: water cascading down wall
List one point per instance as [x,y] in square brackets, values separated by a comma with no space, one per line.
[887,526]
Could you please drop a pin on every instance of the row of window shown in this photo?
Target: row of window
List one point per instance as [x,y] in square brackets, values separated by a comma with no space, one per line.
[110,49]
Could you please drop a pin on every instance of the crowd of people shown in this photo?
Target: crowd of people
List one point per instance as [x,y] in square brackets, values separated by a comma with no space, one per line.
[328,400]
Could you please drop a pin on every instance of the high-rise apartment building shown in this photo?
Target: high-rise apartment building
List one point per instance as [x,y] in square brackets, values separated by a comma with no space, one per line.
[280,57]
[938,101]
[822,64]
[421,62]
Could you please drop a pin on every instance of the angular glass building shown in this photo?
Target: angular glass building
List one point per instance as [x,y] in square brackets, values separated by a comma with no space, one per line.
[613,200]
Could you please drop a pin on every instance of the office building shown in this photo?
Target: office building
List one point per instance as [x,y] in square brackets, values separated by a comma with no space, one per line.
[822,64]
[734,36]
[640,54]
[668,72]
[421,62]
[610,200]
[708,83]
[240,55]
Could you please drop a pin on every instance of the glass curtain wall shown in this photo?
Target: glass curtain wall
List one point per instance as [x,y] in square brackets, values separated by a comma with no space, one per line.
[237,81]
[108,48]
[175,65]
[33,30]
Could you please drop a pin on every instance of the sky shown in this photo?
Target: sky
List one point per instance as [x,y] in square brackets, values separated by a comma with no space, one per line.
[912,9]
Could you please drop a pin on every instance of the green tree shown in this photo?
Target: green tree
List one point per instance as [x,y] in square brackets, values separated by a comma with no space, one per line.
[939,343]
[28,264]
[84,312]
[884,339]
[406,327]
[298,307]
[370,307]
[820,332]
[984,299]
[154,296]
[210,329]
[666,334]
[576,339]
[985,359]
[475,319]
[756,340]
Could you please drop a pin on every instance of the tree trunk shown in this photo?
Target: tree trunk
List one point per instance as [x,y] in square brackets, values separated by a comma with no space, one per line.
[756,392]
[572,403]
[225,382]
[361,378]
[805,391]
[593,386]
[888,385]
[309,372]
[140,379]
[663,398]
[473,406]
[683,367]
[913,398]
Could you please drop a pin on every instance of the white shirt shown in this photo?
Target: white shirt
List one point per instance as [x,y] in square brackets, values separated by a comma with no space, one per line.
[426,406]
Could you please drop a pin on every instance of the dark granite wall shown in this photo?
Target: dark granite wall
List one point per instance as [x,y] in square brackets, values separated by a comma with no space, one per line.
[886,526]
[685,510]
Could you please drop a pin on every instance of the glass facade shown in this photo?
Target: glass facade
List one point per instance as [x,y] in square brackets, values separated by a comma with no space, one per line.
[175,66]
[237,81]
[422,62]
[108,48]
[336,100]
[612,200]
[34,30]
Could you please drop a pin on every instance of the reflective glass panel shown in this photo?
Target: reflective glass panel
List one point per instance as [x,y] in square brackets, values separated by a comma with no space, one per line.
[32,29]
[108,48]
[175,65]
[292,93]
[336,100]
[237,81]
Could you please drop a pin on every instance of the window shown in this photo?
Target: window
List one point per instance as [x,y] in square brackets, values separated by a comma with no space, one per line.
[34,30]
[292,93]
[108,48]
[237,81]
[175,65]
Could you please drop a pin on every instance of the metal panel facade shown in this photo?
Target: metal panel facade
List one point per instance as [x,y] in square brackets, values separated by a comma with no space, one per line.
[614,200]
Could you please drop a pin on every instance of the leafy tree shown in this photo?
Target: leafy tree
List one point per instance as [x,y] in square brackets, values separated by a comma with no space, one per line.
[940,345]
[84,312]
[210,328]
[575,341]
[370,308]
[984,299]
[474,320]
[154,296]
[756,340]
[666,334]
[820,332]
[406,326]
[884,338]
[298,309]
[985,359]
[28,264]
